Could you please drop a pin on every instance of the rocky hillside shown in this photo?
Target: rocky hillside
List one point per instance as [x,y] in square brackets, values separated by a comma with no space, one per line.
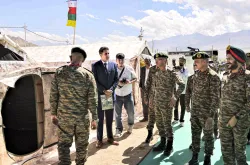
[21,42]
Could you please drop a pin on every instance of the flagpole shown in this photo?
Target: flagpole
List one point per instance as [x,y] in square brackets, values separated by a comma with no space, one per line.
[74,36]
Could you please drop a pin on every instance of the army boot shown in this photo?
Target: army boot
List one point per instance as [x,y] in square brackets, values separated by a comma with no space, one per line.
[194,160]
[169,147]
[190,147]
[207,160]
[149,137]
[161,146]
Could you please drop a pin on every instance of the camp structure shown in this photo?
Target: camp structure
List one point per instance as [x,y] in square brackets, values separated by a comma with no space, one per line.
[27,135]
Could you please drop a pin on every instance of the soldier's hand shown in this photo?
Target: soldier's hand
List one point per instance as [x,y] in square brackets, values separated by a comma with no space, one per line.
[93,124]
[54,119]
[188,109]
[172,102]
[232,122]
[209,123]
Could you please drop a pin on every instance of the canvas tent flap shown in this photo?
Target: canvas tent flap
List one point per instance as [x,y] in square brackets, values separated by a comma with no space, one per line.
[9,78]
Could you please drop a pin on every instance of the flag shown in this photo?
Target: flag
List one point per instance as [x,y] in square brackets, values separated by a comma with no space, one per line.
[72,13]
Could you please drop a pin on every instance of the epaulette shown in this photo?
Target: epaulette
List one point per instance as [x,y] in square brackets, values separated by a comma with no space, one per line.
[58,70]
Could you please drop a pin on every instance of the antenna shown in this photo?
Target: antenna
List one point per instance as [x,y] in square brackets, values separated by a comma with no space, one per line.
[141,34]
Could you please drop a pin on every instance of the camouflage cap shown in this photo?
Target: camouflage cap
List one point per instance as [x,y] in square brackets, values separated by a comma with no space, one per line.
[238,54]
[163,55]
[200,55]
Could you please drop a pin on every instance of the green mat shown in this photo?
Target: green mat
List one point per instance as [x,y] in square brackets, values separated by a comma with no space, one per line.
[182,154]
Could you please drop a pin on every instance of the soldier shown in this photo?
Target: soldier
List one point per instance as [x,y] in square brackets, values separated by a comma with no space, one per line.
[235,105]
[214,65]
[73,93]
[148,97]
[248,68]
[205,101]
[164,101]
[189,89]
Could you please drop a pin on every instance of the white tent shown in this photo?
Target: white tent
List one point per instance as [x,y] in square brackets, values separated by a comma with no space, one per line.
[59,55]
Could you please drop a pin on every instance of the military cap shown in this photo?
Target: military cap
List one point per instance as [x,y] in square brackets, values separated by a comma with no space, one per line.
[238,54]
[79,50]
[163,55]
[120,56]
[200,55]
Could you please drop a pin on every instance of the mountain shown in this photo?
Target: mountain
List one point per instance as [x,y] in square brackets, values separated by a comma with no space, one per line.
[21,42]
[239,39]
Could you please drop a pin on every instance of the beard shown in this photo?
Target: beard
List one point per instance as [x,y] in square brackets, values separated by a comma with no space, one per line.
[232,66]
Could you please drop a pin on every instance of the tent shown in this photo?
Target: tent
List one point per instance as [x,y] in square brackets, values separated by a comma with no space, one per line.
[24,95]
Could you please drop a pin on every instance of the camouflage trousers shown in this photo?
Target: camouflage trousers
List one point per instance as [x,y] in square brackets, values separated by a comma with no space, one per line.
[216,119]
[81,132]
[197,126]
[151,115]
[163,116]
[233,141]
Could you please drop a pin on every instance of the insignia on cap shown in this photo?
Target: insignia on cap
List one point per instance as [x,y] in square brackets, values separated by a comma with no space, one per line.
[198,55]
[228,47]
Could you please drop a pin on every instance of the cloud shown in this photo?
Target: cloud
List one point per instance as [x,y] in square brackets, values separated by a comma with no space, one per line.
[52,39]
[90,16]
[113,21]
[205,17]
[118,36]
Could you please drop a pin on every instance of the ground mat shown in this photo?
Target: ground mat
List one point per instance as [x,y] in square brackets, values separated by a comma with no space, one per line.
[182,154]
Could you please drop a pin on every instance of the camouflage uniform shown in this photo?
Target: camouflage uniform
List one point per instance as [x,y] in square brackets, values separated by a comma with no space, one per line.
[205,102]
[164,85]
[235,101]
[73,93]
[149,93]
[189,90]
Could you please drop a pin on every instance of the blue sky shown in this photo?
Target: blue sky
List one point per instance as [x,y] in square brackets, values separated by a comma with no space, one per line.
[50,17]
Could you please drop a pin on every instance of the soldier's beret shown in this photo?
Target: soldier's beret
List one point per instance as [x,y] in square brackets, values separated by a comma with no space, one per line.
[163,55]
[200,55]
[79,50]
[238,54]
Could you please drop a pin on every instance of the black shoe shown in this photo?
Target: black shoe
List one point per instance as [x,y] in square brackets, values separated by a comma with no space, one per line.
[169,148]
[149,137]
[190,147]
[161,146]
[144,120]
[194,160]
[207,160]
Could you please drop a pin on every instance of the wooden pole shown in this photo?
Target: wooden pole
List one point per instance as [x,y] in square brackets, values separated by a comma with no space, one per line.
[25,32]
[74,36]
